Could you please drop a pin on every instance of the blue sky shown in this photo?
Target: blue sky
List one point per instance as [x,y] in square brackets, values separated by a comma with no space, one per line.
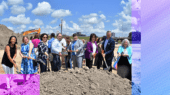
[86,16]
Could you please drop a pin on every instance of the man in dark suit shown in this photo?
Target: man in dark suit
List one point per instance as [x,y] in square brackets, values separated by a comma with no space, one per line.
[108,46]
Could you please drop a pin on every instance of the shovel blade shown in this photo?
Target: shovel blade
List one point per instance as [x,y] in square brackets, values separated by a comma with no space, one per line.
[18,72]
[107,68]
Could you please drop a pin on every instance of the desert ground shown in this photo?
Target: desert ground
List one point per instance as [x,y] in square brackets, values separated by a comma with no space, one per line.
[18,60]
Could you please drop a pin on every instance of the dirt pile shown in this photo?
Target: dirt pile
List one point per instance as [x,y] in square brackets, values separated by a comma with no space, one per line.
[83,82]
[5,34]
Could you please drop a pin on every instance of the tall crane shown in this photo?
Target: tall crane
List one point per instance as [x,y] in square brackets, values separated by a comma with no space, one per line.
[31,31]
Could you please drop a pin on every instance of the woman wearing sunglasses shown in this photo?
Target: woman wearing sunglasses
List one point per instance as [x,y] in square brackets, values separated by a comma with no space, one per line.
[43,52]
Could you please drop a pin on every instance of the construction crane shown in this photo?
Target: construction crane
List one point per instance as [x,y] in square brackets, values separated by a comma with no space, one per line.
[31,31]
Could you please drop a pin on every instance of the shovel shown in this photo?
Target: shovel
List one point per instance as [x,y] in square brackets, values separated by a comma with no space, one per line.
[18,72]
[108,68]
[40,60]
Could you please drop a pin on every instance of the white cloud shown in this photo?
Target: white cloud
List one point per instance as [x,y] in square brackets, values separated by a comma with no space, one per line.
[136,4]
[107,20]
[49,29]
[71,21]
[19,20]
[92,23]
[61,13]
[43,8]
[124,24]
[34,27]
[3,6]
[20,29]
[100,25]
[123,2]
[15,2]
[38,22]
[11,28]
[91,20]
[90,15]
[53,21]
[100,12]
[15,9]
[103,16]
[89,28]
[23,26]
[29,7]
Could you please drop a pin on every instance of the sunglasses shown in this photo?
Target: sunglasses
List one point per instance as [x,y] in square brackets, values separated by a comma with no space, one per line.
[44,37]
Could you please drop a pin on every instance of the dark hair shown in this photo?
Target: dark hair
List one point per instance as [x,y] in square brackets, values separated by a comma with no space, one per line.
[11,38]
[103,38]
[92,36]
[98,40]
[42,35]
[31,38]
[36,36]
[74,34]
[58,34]
[52,35]
[23,38]
[68,38]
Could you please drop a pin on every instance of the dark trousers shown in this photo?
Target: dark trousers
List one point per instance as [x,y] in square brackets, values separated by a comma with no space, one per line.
[56,63]
[109,63]
[42,66]
[98,60]
[49,50]
[124,68]
[89,63]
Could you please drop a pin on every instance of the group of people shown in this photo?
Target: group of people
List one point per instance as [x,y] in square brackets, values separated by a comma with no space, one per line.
[78,51]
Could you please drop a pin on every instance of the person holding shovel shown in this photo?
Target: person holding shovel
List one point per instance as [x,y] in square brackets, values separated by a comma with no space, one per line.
[108,47]
[56,49]
[43,52]
[99,57]
[68,61]
[76,48]
[91,50]
[27,53]
[124,60]
[8,60]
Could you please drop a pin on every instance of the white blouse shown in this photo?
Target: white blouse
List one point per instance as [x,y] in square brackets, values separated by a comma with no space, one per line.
[125,51]
[94,47]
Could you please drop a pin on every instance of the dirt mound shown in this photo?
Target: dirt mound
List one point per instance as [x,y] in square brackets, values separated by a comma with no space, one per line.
[5,34]
[83,82]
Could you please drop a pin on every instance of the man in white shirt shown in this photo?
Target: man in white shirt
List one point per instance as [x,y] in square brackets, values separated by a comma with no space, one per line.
[56,49]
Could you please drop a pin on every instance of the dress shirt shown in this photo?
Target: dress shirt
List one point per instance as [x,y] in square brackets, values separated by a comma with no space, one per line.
[56,47]
[105,44]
